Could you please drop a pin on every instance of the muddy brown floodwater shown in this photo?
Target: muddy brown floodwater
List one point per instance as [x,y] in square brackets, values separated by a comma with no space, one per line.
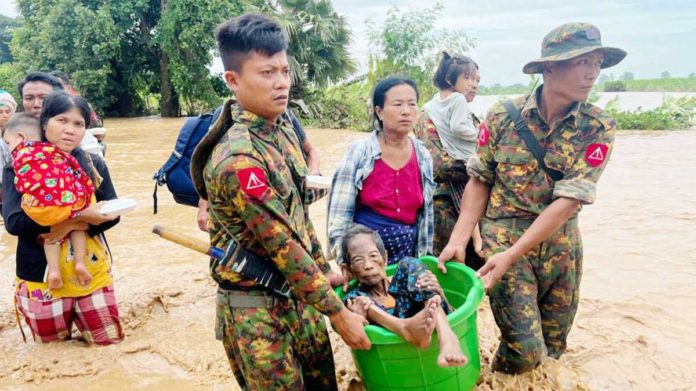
[634,329]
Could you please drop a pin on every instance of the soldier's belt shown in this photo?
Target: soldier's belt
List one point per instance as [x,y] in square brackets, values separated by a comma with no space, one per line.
[244,299]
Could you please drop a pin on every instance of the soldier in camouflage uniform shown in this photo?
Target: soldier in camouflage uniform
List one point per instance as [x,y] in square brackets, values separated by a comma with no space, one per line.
[251,170]
[530,230]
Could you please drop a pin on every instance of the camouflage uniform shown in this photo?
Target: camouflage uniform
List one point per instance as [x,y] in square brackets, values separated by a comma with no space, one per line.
[535,302]
[253,178]
[450,178]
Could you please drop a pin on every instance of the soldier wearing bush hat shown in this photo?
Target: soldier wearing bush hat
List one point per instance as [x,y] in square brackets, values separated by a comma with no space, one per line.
[538,160]
[572,40]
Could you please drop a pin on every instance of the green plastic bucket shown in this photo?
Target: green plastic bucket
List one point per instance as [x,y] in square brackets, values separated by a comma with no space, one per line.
[394,364]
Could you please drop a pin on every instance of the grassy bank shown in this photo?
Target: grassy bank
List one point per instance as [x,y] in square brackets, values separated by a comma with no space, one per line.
[672,84]
[673,113]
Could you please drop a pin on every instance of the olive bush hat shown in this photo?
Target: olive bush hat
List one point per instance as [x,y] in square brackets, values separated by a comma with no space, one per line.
[572,40]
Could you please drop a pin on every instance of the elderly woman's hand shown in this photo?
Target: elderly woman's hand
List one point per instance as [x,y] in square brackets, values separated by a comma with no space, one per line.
[92,215]
[360,305]
[427,281]
[61,230]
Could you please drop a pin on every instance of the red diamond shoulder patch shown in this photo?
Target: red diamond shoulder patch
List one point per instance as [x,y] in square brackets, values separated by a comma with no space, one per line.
[484,134]
[596,154]
[253,181]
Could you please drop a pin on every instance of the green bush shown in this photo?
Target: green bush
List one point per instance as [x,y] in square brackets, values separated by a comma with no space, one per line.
[673,84]
[673,113]
[10,76]
[497,89]
[344,106]
[615,86]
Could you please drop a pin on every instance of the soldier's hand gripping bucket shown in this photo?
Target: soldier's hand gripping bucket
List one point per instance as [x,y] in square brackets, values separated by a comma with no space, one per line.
[394,364]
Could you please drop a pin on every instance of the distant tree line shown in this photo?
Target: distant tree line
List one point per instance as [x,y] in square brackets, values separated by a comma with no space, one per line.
[143,56]
[133,57]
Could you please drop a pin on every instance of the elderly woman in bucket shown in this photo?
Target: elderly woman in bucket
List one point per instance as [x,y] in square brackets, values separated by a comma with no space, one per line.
[386,181]
[411,306]
[538,161]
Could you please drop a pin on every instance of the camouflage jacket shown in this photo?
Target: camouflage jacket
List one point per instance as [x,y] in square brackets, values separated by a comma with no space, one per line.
[253,177]
[578,145]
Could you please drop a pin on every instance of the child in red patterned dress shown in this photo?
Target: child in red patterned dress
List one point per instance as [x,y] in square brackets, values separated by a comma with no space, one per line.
[54,189]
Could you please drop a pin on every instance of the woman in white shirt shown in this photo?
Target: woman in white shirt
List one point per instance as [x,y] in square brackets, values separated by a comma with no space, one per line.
[450,130]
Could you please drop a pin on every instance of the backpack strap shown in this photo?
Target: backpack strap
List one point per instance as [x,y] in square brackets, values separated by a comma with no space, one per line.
[529,140]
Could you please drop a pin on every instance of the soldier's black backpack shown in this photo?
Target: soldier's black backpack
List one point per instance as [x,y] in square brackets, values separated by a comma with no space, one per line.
[175,173]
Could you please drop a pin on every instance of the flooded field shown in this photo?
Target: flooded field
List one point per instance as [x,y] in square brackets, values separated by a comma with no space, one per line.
[634,328]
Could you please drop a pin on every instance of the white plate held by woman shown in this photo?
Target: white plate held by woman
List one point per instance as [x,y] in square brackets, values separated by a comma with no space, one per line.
[318,181]
[119,206]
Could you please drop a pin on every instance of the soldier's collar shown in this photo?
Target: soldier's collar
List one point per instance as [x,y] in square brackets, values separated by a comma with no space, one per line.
[254,123]
[531,107]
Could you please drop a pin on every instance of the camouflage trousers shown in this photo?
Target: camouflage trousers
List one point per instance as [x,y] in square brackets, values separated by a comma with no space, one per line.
[282,346]
[446,215]
[536,300]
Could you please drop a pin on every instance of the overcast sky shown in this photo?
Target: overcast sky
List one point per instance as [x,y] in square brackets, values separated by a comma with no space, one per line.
[658,35]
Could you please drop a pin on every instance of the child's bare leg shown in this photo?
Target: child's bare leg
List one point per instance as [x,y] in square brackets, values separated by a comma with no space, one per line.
[417,330]
[451,354]
[78,239]
[52,251]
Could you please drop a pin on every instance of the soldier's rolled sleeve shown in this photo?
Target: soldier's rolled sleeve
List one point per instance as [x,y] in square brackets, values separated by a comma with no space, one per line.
[477,169]
[580,182]
[266,217]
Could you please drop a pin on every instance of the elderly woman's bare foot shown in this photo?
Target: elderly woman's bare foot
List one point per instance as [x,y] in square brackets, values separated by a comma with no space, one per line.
[450,352]
[418,329]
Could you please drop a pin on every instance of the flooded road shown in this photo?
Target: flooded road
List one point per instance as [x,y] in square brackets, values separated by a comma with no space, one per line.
[634,328]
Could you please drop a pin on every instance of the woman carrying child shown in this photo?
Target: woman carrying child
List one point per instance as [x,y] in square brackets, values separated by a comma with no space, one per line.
[54,189]
[92,305]
[449,130]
